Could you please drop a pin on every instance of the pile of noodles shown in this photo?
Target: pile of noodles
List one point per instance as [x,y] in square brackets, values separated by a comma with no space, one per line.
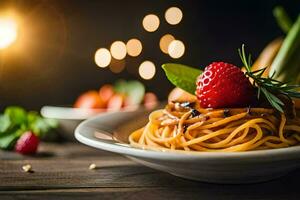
[186,126]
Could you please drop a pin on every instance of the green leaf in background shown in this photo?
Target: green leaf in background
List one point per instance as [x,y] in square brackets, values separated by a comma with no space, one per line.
[287,59]
[4,123]
[182,76]
[15,121]
[41,126]
[134,90]
[52,123]
[7,141]
[120,86]
[282,18]
[16,114]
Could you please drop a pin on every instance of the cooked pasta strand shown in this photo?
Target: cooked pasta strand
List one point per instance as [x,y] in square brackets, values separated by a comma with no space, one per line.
[213,130]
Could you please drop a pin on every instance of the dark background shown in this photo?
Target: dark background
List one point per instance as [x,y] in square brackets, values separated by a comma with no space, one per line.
[52,61]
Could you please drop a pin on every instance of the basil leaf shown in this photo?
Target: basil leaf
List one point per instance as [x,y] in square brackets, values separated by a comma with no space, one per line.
[16,114]
[7,141]
[39,125]
[4,123]
[182,76]
[32,116]
[15,121]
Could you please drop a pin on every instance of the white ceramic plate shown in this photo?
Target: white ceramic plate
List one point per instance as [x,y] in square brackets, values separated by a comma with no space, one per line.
[110,133]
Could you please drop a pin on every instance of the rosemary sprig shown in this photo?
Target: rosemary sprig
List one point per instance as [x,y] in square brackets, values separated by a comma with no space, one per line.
[269,87]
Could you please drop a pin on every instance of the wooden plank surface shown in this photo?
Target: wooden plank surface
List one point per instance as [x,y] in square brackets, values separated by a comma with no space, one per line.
[61,172]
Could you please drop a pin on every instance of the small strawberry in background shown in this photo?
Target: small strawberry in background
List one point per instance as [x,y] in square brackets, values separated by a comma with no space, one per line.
[27,144]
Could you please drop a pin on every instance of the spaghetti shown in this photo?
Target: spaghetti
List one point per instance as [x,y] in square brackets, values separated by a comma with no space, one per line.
[181,127]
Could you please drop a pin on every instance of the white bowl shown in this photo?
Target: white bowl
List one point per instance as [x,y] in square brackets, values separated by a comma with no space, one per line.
[110,133]
[69,118]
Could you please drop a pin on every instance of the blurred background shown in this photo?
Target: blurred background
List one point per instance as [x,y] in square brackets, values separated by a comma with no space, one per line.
[49,50]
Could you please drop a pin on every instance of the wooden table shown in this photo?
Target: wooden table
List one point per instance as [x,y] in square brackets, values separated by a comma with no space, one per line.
[61,171]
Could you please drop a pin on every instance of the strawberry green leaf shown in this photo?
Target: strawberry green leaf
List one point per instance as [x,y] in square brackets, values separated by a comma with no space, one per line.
[182,76]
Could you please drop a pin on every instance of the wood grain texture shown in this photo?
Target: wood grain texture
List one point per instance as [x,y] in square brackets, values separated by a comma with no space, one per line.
[51,151]
[61,172]
[150,193]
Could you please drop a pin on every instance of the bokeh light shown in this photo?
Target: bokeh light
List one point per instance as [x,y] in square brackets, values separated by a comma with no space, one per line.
[173,15]
[147,70]
[151,23]
[118,50]
[165,41]
[8,32]
[117,66]
[176,49]
[102,57]
[134,47]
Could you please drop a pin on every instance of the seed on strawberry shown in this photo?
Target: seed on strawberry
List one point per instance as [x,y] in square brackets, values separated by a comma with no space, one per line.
[27,143]
[224,85]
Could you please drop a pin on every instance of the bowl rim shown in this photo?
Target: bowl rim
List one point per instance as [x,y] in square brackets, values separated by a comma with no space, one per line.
[71,113]
[89,139]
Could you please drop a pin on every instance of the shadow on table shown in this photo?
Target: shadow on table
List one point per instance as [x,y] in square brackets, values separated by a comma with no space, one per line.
[286,187]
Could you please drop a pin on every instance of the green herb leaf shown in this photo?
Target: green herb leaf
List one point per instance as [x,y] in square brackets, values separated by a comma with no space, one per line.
[276,103]
[8,140]
[4,123]
[268,86]
[16,114]
[15,121]
[182,76]
[40,126]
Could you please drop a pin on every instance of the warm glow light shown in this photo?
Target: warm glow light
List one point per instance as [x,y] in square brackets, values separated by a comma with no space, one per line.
[147,70]
[176,49]
[173,15]
[134,47]
[8,32]
[118,50]
[165,41]
[117,66]
[102,57]
[151,23]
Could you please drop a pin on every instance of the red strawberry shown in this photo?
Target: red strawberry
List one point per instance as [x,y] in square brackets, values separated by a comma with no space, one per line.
[224,85]
[27,143]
